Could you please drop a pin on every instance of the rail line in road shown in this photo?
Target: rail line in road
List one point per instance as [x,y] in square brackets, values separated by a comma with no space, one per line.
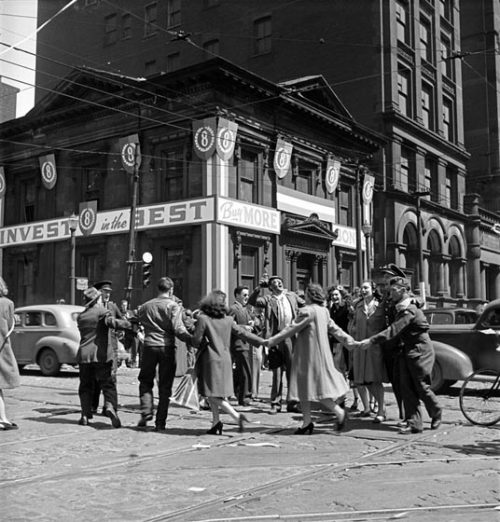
[239,498]
[269,488]
[361,515]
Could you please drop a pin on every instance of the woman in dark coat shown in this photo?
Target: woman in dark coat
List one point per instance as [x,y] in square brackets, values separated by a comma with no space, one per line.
[212,336]
[9,372]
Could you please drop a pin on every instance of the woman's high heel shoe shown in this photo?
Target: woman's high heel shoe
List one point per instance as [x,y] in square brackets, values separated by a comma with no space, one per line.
[216,429]
[341,422]
[306,429]
[241,423]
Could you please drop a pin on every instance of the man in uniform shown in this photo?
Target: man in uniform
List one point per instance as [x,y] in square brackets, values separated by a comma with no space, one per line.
[417,359]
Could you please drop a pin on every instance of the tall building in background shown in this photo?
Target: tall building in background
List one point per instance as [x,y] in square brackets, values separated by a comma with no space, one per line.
[396,65]
[480,55]
[8,101]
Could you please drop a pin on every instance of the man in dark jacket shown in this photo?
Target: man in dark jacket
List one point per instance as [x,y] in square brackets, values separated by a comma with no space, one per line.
[417,359]
[161,319]
[95,357]
[280,309]
[241,350]
[105,288]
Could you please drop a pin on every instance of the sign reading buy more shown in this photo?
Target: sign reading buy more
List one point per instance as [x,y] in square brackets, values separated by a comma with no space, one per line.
[245,215]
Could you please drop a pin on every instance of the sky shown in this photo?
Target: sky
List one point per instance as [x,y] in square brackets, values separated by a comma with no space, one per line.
[18,21]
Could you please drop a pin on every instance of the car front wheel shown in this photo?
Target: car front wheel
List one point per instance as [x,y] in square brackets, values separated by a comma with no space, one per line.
[48,362]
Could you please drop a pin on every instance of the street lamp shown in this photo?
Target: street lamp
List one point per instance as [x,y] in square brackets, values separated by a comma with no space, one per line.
[367,230]
[421,282]
[72,224]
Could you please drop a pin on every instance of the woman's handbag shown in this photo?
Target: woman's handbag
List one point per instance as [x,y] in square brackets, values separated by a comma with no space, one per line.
[186,393]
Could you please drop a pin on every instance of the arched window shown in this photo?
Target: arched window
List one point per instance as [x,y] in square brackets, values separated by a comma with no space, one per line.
[435,249]
[455,267]
[410,240]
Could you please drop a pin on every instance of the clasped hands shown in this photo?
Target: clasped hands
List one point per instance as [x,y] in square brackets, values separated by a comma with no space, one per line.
[365,344]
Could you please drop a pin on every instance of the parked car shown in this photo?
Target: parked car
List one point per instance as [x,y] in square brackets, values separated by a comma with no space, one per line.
[447,316]
[46,335]
[461,349]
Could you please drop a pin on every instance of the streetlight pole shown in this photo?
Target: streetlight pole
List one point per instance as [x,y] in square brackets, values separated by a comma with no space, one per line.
[72,223]
[421,282]
[367,230]
[359,251]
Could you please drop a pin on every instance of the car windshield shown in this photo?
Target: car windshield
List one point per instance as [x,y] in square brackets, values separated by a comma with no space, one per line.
[491,319]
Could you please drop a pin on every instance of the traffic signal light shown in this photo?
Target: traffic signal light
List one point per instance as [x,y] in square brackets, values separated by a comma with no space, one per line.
[146,274]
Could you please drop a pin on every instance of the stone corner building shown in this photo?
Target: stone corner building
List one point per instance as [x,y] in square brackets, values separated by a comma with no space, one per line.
[213,216]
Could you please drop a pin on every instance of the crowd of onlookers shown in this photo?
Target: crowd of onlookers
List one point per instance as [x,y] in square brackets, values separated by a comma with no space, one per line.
[321,346]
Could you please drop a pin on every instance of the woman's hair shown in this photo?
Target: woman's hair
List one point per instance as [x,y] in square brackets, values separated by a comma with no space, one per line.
[214,304]
[4,289]
[342,291]
[316,293]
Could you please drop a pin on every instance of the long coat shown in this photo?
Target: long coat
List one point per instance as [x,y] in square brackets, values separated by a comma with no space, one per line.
[313,374]
[213,337]
[410,326]
[94,324]
[368,366]
[9,372]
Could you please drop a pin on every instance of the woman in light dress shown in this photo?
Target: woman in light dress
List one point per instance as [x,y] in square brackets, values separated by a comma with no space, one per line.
[369,370]
[314,377]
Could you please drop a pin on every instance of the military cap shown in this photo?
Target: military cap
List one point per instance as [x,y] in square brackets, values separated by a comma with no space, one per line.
[104,285]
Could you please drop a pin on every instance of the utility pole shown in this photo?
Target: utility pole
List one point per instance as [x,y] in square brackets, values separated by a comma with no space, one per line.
[131,243]
[359,252]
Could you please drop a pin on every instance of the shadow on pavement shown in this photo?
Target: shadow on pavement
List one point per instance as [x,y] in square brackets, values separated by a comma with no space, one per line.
[488,448]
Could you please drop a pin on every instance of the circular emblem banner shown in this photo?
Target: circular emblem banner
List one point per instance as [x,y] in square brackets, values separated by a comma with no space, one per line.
[204,132]
[282,157]
[226,138]
[87,217]
[332,175]
[48,170]
[367,192]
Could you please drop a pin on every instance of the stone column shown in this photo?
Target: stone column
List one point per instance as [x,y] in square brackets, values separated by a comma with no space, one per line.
[496,288]
[315,272]
[473,234]
[484,269]
[461,278]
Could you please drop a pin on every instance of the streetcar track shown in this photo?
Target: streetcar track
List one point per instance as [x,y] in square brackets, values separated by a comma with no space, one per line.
[133,459]
[242,496]
[245,495]
[378,514]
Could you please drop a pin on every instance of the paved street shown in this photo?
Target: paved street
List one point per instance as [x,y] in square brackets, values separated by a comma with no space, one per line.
[53,469]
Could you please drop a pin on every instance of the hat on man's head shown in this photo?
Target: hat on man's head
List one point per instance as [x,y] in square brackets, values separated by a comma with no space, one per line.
[400,281]
[91,294]
[392,270]
[104,285]
[275,277]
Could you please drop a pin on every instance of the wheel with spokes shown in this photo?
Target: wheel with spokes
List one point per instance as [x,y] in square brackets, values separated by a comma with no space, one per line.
[480,398]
